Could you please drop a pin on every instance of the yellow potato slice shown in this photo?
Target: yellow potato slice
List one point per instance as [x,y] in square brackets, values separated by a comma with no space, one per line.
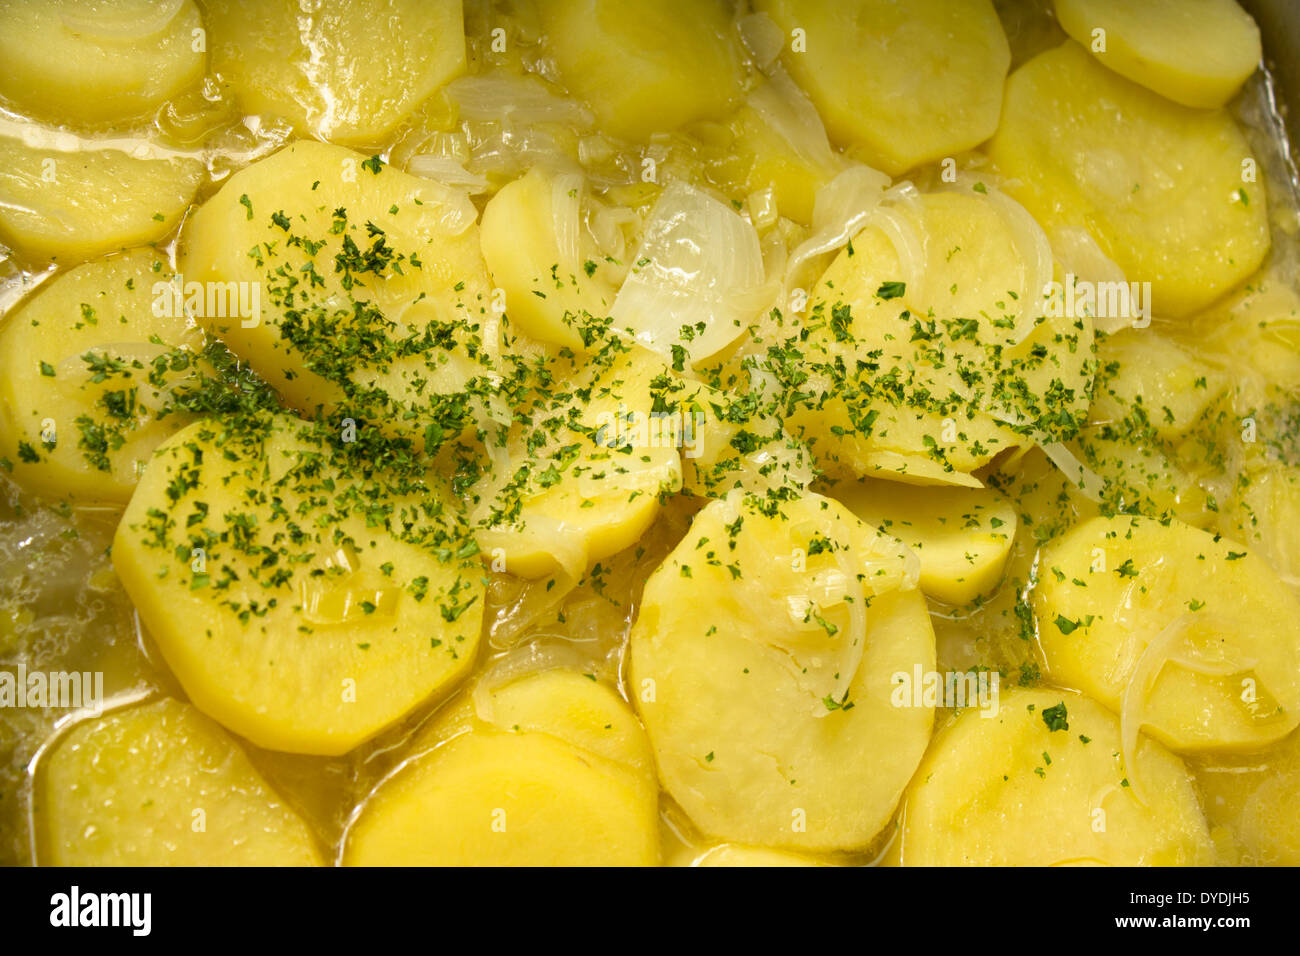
[576,708]
[762,663]
[554,284]
[1264,513]
[905,83]
[161,785]
[782,153]
[79,379]
[346,73]
[1158,186]
[962,536]
[556,772]
[1154,382]
[72,206]
[300,601]
[645,66]
[917,367]
[370,284]
[76,61]
[1256,797]
[1195,52]
[587,473]
[733,442]
[1137,476]
[1185,634]
[1011,791]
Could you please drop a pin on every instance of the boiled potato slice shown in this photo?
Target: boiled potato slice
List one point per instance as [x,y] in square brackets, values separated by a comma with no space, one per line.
[1197,53]
[161,785]
[1180,632]
[346,73]
[1257,798]
[1012,791]
[71,206]
[906,83]
[554,283]
[1157,381]
[783,154]
[645,66]
[732,441]
[1157,185]
[588,471]
[79,385]
[962,536]
[373,294]
[574,707]
[552,769]
[87,62]
[762,662]
[300,601]
[1137,476]
[1264,513]
[915,368]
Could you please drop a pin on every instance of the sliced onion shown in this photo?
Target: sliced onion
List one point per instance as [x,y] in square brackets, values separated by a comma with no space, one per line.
[523,100]
[1163,650]
[529,659]
[791,114]
[762,37]
[1081,257]
[698,263]
[1090,484]
[449,171]
[121,20]
[840,210]
[1033,247]
[566,220]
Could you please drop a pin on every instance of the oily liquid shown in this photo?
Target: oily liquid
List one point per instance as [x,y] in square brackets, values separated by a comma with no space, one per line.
[62,608]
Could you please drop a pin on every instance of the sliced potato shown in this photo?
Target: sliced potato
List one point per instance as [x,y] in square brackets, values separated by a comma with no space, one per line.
[645,66]
[1188,635]
[557,772]
[300,601]
[782,153]
[576,708]
[587,471]
[905,83]
[552,290]
[1012,791]
[1158,186]
[1197,53]
[79,378]
[1153,381]
[161,785]
[346,73]
[80,61]
[762,663]
[71,206]
[733,441]
[372,291]
[1264,513]
[962,536]
[915,367]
